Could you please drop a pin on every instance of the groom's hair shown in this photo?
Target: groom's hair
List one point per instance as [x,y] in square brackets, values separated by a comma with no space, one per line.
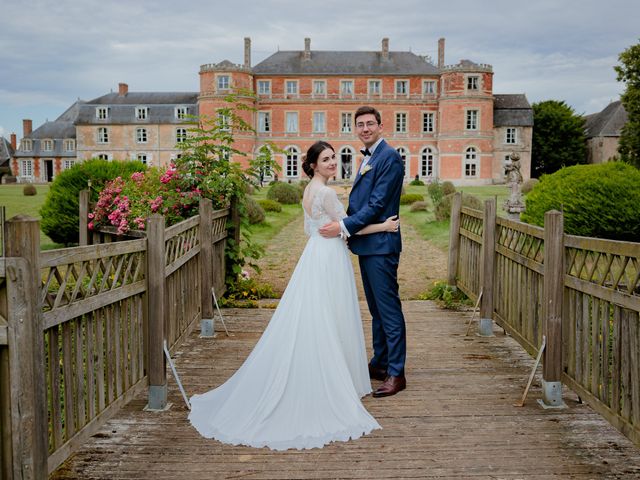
[367,110]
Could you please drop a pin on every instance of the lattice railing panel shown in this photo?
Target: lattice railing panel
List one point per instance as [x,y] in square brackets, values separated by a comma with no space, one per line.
[521,242]
[471,224]
[181,244]
[616,271]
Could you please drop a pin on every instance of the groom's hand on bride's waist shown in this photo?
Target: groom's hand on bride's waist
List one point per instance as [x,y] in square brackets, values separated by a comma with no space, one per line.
[330,230]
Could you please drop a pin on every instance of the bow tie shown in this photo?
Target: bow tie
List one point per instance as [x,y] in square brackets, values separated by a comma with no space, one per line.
[365,152]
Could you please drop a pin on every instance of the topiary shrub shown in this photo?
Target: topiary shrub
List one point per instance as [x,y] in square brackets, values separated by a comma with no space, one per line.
[409,198]
[60,211]
[29,190]
[284,193]
[419,206]
[443,209]
[434,189]
[448,187]
[270,205]
[416,181]
[597,200]
[255,212]
[528,185]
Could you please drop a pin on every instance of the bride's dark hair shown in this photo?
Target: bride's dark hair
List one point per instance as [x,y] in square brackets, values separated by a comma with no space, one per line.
[312,155]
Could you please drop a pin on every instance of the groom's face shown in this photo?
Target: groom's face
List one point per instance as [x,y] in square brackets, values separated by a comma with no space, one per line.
[368,129]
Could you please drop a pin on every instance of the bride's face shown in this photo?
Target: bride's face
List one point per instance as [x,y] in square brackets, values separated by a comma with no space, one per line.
[327,164]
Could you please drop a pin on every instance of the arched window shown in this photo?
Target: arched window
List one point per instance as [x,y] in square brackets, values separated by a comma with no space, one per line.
[403,155]
[291,162]
[346,161]
[471,163]
[427,162]
[265,171]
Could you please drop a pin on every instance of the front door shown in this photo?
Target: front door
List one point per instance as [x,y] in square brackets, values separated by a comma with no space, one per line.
[48,170]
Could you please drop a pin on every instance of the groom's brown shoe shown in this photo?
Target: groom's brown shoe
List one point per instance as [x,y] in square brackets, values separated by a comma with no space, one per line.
[377,373]
[391,386]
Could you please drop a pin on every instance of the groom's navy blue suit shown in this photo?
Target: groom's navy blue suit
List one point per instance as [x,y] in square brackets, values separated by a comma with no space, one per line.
[375,196]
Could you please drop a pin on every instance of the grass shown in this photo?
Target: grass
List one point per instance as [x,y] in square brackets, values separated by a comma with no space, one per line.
[262,233]
[16,203]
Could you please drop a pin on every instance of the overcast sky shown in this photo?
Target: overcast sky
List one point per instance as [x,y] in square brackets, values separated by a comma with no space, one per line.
[54,52]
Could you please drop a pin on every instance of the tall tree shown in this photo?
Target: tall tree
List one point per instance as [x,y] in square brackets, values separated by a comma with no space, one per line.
[629,73]
[558,137]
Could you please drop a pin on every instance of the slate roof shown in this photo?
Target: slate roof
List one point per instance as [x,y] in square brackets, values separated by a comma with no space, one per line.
[122,107]
[6,151]
[344,63]
[608,122]
[58,131]
[512,110]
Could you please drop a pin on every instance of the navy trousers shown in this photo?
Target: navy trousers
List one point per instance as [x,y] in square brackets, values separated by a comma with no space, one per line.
[380,280]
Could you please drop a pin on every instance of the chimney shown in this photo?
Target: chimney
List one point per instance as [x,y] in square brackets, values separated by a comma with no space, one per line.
[247,52]
[123,89]
[385,49]
[14,142]
[441,53]
[27,127]
[307,49]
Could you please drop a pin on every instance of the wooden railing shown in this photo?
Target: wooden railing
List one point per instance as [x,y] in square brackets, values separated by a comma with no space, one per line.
[582,295]
[82,329]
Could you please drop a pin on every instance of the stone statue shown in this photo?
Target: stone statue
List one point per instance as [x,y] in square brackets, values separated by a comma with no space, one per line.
[514,205]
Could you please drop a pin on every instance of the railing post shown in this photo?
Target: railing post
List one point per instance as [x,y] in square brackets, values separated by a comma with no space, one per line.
[552,309]
[454,238]
[25,338]
[206,268]
[235,220]
[157,399]
[83,231]
[485,327]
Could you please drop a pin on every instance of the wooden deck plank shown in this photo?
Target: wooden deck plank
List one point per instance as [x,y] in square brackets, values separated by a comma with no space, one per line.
[455,420]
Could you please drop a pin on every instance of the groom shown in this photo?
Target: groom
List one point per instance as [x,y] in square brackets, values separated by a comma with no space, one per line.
[374,197]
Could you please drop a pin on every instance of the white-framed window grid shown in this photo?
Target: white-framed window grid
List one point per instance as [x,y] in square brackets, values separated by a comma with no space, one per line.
[182,112]
[223,83]
[264,87]
[181,135]
[103,135]
[403,155]
[429,87]
[427,162]
[69,145]
[26,145]
[47,145]
[511,136]
[319,122]
[141,135]
[471,120]
[401,122]
[144,158]
[347,157]
[224,122]
[374,87]
[264,122]
[102,113]
[291,88]
[346,122]
[67,164]
[319,88]
[26,168]
[473,83]
[291,162]
[402,88]
[471,163]
[103,156]
[291,122]
[346,88]
[428,122]
[142,113]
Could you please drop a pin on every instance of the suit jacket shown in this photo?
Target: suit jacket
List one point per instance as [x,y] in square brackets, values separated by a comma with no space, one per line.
[375,196]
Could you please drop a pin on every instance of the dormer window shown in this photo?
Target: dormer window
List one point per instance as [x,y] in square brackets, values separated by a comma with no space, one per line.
[473,83]
[142,113]
[69,145]
[27,145]
[102,113]
[47,145]
[181,112]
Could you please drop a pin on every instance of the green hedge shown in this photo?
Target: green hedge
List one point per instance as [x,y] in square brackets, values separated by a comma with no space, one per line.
[270,205]
[443,209]
[409,198]
[285,193]
[597,200]
[255,212]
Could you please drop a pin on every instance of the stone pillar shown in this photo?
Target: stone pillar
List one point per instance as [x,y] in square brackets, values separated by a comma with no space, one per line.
[441,53]
[247,52]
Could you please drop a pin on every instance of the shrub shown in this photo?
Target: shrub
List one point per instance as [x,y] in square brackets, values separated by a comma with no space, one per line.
[448,187]
[60,211]
[284,193]
[447,296]
[528,185]
[29,190]
[254,211]
[443,209]
[434,189]
[416,181]
[302,184]
[409,198]
[419,206]
[270,205]
[597,200]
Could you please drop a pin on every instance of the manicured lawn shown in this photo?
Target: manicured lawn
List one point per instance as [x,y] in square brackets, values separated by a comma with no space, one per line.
[16,203]
[274,221]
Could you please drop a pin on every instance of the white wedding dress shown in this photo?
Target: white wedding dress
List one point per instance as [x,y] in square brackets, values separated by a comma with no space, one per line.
[301,385]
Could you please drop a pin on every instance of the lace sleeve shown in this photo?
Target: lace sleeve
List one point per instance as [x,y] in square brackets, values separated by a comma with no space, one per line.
[332,205]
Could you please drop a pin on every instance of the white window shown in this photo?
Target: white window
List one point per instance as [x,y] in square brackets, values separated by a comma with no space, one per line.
[26,145]
[473,83]
[102,113]
[346,120]
[472,119]
[427,122]
[429,87]
[142,157]
[26,168]
[402,87]
[470,163]
[103,135]
[224,82]
[291,122]
[319,122]
[224,122]
[142,113]
[47,145]
[403,155]
[292,87]
[346,88]
[511,136]
[102,156]
[401,123]
[181,135]
[67,164]
[264,122]
[69,145]
[319,88]
[141,135]
[292,162]
[264,87]
[374,87]
[426,162]
[181,112]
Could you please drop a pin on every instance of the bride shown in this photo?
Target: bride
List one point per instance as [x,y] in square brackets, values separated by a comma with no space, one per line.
[301,385]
